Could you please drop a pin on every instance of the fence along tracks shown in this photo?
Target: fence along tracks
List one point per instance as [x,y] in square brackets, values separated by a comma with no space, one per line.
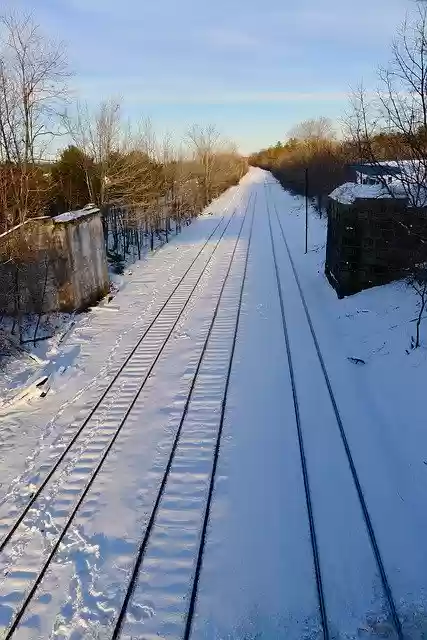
[133,376]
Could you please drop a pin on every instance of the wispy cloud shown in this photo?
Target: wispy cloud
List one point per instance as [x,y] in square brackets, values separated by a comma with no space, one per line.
[134,93]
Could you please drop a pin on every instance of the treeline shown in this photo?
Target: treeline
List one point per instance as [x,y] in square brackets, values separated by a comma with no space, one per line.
[105,160]
[313,146]
[150,177]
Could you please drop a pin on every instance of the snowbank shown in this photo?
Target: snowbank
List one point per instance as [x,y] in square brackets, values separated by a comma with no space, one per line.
[349,192]
[69,216]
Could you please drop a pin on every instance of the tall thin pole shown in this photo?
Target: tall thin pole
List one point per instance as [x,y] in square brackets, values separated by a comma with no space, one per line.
[306,210]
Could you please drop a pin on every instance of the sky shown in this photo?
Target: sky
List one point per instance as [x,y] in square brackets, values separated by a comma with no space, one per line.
[254,69]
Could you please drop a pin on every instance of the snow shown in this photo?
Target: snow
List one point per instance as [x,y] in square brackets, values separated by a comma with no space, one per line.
[69,216]
[21,360]
[21,364]
[349,192]
[257,578]
[406,184]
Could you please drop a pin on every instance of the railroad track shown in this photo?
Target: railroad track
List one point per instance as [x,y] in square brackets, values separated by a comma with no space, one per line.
[214,354]
[93,441]
[308,493]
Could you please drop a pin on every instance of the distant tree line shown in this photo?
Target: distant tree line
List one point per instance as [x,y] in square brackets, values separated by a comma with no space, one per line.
[314,145]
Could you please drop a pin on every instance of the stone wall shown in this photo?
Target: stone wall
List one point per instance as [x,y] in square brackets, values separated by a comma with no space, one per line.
[50,264]
[372,242]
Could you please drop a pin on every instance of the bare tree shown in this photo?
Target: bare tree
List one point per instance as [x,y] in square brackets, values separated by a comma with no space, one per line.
[398,110]
[97,134]
[216,162]
[33,88]
[319,130]
[205,142]
[33,91]
[118,157]
[124,174]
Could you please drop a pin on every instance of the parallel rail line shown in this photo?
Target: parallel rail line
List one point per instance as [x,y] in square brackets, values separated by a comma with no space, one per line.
[304,467]
[366,516]
[154,512]
[202,545]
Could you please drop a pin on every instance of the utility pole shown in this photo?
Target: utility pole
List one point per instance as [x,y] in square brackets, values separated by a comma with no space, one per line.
[306,210]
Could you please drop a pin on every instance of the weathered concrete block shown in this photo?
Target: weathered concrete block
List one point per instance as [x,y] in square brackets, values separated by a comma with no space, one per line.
[51,264]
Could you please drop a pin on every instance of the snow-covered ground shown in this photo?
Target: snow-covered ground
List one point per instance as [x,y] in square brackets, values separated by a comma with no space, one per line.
[24,361]
[313,523]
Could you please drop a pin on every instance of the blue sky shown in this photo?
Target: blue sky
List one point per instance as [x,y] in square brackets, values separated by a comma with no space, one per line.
[252,68]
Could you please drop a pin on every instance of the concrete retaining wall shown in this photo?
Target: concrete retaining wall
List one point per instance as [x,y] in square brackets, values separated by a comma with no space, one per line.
[51,264]
[372,242]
